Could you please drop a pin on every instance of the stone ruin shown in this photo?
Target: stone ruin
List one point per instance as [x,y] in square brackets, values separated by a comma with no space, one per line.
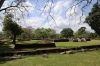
[77,40]
[47,41]
[81,40]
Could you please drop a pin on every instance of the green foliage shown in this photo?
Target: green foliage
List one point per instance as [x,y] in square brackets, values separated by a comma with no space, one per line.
[40,33]
[66,33]
[1,35]
[93,19]
[79,59]
[82,33]
[76,44]
[81,30]
[93,35]
[44,33]
[27,33]
[50,32]
[11,26]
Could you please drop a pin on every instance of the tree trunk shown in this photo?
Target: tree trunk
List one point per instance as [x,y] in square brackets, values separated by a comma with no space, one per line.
[1,3]
[14,38]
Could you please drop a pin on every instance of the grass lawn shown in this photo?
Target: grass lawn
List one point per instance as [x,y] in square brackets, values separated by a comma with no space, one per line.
[76,44]
[28,42]
[79,59]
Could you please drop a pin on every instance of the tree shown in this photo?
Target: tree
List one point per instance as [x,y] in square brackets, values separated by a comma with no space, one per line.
[44,33]
[81,30]
[93,19]
[13,4]
[11,26]
[27,33]
[40,33]
[93,35]
[50,33]
[30,31]
[1,35]
[67,33]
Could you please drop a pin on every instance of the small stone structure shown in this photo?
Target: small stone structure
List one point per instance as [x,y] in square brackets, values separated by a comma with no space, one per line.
[45,56]
[11,57]
[48,41]
[81,40]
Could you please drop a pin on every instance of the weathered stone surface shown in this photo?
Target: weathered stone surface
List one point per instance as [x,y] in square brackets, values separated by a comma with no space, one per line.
[45,56]
[62,53]
[10,57]
[83,50]
[70,52]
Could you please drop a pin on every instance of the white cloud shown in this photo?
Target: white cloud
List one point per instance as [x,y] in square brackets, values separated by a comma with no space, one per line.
[72,19]
[0,28]
[35,22]
[57,12]
[48,6]
[87,27]
[30,8]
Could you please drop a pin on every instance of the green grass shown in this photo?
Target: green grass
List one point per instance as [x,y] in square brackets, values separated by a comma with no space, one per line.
[79,59]
[76,44]
[8,46]
[28,42]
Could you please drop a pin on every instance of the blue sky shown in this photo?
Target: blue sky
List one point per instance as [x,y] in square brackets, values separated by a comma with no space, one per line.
[62,19]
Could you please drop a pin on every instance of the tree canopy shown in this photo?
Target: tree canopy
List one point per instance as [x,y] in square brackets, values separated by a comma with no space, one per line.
[44,33]
[11,26]
[81,30]
[82,33]
[66,33]
[93,19]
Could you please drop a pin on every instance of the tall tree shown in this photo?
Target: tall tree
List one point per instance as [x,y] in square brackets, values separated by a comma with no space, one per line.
[27,33]
[44,33]
[93,19]
[81,30]
[30,31]
[50,33]
[1,35]
[11,26]
[40,33]
[67,33]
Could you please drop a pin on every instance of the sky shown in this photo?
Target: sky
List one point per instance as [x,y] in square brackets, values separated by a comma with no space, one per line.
[53,16]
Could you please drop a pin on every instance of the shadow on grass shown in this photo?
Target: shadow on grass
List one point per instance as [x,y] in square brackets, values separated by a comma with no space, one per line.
[2,62]
[5,47]
[66,47]
[28,42]
[5,59]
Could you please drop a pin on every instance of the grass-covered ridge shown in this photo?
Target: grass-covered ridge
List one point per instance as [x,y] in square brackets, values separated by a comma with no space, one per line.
[7,46]
[76,44]
[79,59]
